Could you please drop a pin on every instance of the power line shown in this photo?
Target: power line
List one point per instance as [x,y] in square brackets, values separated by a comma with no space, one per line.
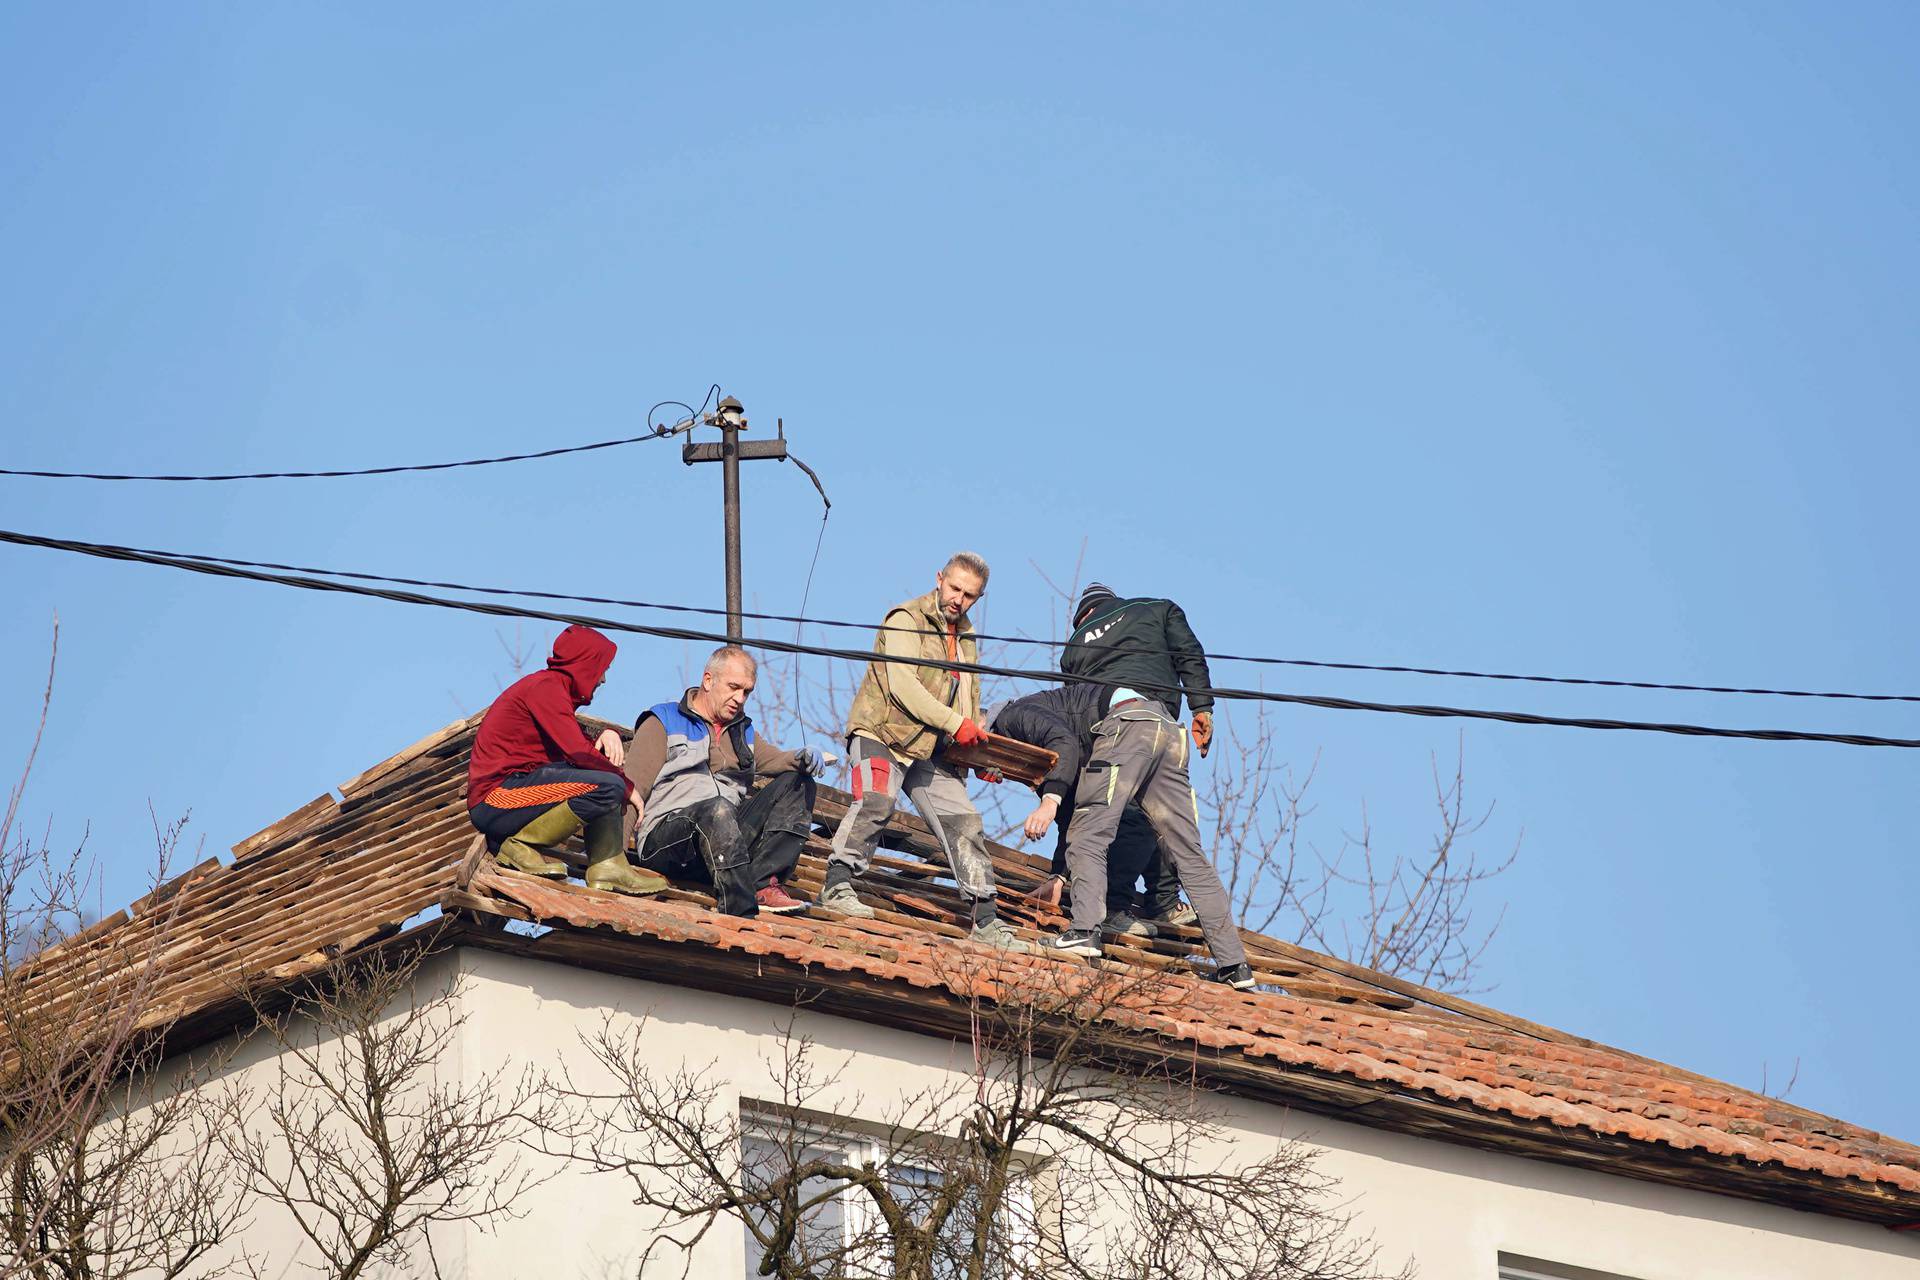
[654,433]
[801,619]
[111,552]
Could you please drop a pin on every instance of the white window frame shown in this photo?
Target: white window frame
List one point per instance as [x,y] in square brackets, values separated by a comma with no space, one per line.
[861,1145]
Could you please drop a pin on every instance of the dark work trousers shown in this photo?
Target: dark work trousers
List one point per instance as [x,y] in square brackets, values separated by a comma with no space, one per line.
[1159,884]
[1139,757]
[1133,854]
[736,849]
[521,798]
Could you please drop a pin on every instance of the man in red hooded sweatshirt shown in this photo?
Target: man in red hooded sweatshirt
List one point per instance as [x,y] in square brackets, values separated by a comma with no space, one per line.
[534,779]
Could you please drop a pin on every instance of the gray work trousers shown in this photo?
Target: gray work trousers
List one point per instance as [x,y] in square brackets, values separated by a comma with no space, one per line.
[1139,757]
[937,790]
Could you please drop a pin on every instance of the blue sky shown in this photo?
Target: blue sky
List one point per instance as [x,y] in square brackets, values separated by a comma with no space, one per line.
[1542,338]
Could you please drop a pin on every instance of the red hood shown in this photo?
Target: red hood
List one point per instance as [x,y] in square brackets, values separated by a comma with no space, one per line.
[582,655]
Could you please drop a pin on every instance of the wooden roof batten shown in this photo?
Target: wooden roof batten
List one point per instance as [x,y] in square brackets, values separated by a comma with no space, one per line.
[343,875]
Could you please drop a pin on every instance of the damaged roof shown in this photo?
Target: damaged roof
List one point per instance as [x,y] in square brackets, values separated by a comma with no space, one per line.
[394,848]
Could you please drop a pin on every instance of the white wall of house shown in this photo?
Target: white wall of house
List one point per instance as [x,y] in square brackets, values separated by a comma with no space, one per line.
[271,1244]
[1451,1209]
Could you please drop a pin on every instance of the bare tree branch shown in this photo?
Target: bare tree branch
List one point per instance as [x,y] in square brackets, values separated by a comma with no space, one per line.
[108,1168]
[361,1137]
[1073,1149]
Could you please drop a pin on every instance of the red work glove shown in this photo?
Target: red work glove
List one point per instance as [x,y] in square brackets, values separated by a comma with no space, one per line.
[989,775]
[1203,731]
[968,734]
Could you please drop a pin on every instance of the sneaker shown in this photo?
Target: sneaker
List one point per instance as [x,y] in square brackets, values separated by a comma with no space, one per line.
[1181,914]
[1237,976]
[1129,926]
[994,933]
[841,900]
[1075,942]
[774,898]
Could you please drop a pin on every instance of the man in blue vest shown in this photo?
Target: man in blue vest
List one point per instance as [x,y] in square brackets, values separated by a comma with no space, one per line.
[695,763]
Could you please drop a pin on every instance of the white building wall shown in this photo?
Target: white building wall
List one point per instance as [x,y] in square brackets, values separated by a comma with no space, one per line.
[272,1245]
[1451,1209]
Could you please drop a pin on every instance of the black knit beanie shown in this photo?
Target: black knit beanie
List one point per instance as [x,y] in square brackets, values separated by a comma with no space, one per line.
[1095,594]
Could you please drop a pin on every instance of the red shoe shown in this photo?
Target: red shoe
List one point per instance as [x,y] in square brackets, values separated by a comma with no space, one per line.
[774,898]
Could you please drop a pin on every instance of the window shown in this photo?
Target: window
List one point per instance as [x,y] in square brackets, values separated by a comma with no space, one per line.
[841,1220]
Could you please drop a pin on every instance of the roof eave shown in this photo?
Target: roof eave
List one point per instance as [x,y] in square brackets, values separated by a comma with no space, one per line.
[1380,1105]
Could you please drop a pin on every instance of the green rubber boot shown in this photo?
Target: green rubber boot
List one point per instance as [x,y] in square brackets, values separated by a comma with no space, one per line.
[607,865]
[521,850]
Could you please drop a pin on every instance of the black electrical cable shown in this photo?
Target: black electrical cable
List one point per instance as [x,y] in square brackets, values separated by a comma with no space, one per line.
[654,432]
[364,471]
[110,552]
[806,592]
[693,414]
[800,619]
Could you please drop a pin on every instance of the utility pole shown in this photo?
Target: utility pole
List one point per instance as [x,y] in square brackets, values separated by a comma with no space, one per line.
[731,419]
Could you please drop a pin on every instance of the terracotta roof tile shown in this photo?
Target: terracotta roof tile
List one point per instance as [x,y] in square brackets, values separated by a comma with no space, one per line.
[1565,1085]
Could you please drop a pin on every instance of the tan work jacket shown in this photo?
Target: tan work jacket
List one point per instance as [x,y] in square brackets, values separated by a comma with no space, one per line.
[909,708]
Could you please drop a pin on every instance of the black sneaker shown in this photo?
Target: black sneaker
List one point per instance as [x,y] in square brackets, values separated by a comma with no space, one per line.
[1129,926]
[1237,976]
[1075,942]
[1178,914]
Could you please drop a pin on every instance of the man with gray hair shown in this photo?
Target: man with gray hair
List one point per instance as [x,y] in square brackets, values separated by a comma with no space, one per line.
[695,763]
[903,714]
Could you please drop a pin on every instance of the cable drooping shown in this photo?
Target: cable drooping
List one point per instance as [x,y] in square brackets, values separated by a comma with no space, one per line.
[363,471]
[801,618]
[654,432]
[807,592]
[111,552]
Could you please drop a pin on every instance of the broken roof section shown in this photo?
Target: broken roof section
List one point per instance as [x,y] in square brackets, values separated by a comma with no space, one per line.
[341,875]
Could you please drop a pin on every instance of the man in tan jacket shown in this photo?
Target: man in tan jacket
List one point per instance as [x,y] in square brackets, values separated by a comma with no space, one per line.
[902,715]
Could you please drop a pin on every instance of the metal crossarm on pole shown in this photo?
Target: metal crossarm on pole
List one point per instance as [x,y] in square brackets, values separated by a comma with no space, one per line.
[730,418]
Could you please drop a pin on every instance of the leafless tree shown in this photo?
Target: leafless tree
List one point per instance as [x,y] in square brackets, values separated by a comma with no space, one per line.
[1793,1080]
[520,654]
[360,1136]
[108,1165]
[1074,1148]
[1412,915]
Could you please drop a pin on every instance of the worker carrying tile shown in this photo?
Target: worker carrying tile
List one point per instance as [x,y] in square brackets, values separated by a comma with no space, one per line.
[695,763]
[901,717]
[534,780]
[1061,720]
[1144,655]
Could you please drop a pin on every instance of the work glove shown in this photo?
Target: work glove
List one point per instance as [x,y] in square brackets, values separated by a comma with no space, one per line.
[1203,731]
[812,761]
[989,775]
[968,733]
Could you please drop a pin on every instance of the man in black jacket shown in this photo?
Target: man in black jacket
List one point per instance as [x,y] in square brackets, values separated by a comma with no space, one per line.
[1144,656]
[1143,640]
[1061,720]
